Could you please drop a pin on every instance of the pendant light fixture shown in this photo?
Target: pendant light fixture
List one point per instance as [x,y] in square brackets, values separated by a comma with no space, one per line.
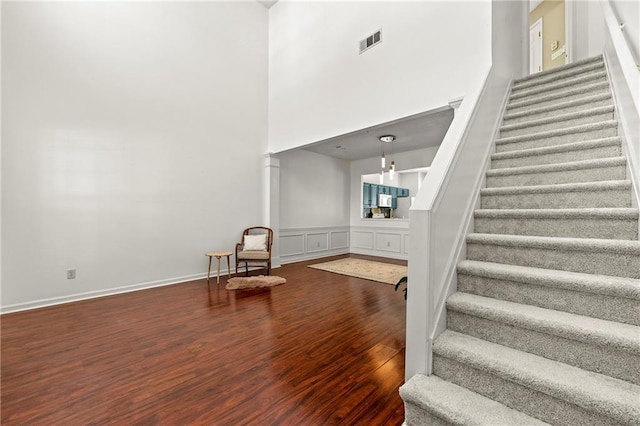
[392,168]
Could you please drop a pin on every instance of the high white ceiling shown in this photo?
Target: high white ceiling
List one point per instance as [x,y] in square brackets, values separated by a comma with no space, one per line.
[415,132]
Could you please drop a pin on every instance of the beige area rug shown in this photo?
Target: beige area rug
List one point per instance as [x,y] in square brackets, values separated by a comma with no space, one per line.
[237,283]
[369,270]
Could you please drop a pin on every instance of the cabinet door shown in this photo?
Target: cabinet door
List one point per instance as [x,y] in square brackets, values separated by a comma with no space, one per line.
[366,195]
[374,194]
[394,192]
[394,203]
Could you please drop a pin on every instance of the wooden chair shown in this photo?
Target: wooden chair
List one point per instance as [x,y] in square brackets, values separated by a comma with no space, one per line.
[250,250]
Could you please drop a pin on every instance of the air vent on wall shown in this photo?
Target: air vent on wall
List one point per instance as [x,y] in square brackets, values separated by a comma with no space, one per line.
[371,41]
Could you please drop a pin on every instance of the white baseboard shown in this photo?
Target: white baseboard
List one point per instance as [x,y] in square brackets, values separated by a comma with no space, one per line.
[102,293]
[312,256]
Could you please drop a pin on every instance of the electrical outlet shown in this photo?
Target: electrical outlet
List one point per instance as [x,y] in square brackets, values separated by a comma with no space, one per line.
[71,274]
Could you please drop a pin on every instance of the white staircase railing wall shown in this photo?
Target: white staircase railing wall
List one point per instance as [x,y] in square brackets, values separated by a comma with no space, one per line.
[625,84]
[441,216]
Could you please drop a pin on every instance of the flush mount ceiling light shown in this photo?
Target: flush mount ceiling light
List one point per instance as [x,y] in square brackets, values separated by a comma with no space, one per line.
[387,138]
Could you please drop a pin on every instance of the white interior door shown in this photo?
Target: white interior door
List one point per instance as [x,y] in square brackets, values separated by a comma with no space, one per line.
[535,47]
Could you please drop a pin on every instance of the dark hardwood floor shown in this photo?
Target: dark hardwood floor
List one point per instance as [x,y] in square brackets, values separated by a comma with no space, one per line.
[322,349]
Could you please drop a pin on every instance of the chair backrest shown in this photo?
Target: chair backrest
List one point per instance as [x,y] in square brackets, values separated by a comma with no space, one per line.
[260,230]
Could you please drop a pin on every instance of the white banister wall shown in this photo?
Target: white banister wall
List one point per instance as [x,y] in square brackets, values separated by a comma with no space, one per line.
[625,84]
[441,215]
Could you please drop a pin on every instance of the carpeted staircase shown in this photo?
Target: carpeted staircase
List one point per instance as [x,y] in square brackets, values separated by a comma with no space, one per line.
[545,326]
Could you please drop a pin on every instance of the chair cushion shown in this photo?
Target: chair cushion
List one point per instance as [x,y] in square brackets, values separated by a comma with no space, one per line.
[255,242]
[253,255]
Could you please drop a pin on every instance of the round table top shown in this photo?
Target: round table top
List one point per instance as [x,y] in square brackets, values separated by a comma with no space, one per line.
[218,253]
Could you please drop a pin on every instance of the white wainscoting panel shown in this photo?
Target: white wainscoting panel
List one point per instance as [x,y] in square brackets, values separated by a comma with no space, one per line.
[292,245]
[380,241]
[339,240]
[362,239]
[318,241]
[312,243]
[386,241]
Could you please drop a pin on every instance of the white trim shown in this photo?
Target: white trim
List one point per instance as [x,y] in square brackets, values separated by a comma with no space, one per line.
[624,80]
[319,246]
[570,38]
[540,21]
[308,253]
[438,208]
[102,293]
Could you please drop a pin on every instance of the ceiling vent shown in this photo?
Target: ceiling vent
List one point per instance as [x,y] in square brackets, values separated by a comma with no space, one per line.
[371,41]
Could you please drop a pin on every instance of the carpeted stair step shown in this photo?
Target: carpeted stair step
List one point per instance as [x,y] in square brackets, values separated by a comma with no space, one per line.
[618,258]
[576,81]
[549,390]
[429,400]
[613,194]
[576,151]
[564,71]
[597,170]
[586,116]
[604,347]
[597,296]
[559,79]
[583,132]
[557,97]
[579,104]
[610,223]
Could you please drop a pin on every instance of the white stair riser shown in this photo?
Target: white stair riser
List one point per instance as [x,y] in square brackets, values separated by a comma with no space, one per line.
[575,82]
[557,125]
[599,358]
[559,111]
[558,177]
[543,141]
[536,404]
[559,200]
[603,228]
[607,151]
[610,308]
[568,74]
[553,99]
[590,262]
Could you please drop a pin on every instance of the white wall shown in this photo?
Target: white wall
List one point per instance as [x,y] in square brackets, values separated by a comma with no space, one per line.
[320,87]
[314,190]
[588,28]
[409,181]
[133,141]
[404,161]
[628,12]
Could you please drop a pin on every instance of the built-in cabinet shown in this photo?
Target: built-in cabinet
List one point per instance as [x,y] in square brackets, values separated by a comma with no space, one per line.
[370,192]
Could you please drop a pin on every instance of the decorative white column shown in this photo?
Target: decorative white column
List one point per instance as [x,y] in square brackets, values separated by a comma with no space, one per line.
[271,205]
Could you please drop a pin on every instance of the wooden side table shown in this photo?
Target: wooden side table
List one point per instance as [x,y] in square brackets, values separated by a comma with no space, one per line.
[218,255]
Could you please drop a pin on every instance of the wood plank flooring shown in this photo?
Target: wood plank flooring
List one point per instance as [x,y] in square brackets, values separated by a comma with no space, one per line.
[322,349]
